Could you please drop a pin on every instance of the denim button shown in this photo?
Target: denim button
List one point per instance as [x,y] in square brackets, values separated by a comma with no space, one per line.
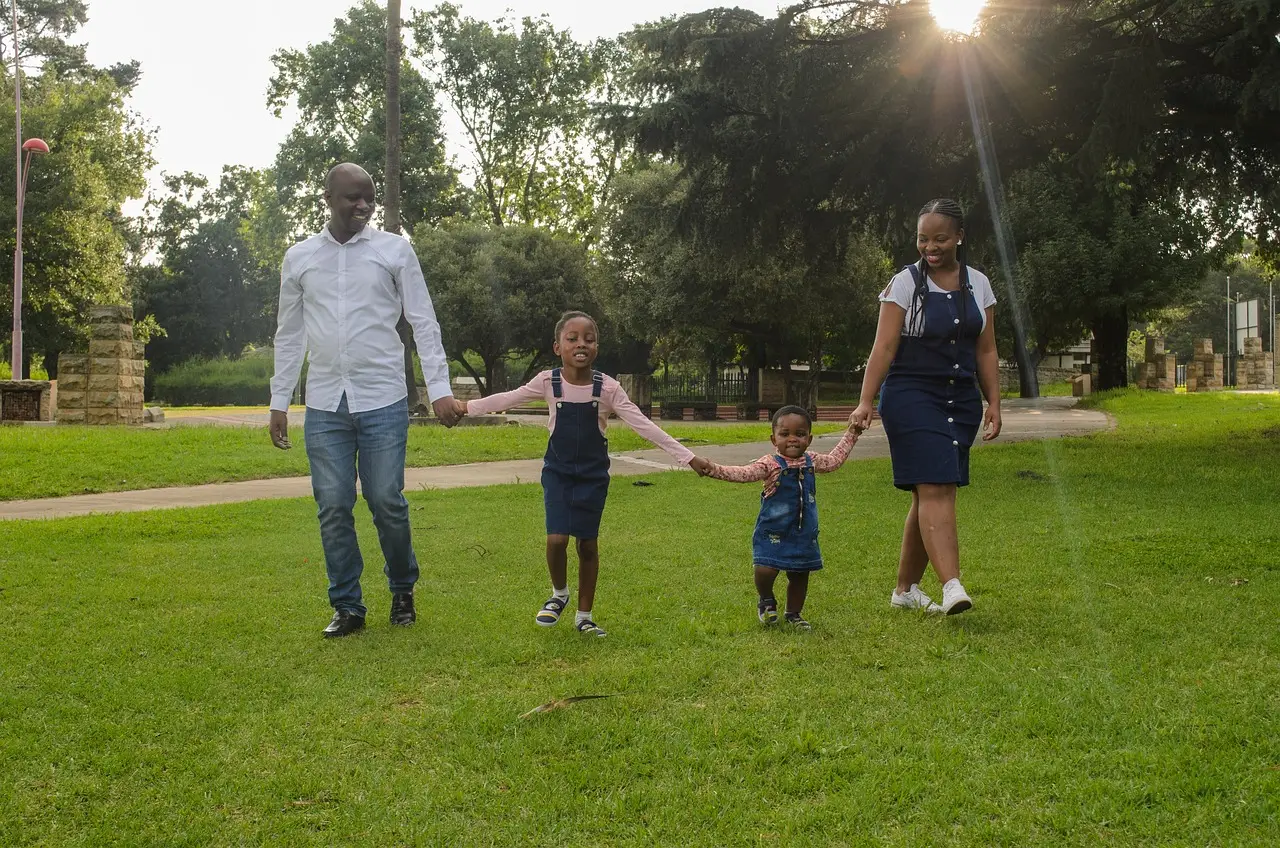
[951,421]
[950,401]
[957,444]
[951,383]
[956,366]
[948,298]
[956,320]
[953,341]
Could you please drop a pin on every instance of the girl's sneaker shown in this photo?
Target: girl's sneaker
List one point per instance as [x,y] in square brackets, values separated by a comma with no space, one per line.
[767,609]
[551,611]
[797,621]
[590,628]
[914,599]
[955,599]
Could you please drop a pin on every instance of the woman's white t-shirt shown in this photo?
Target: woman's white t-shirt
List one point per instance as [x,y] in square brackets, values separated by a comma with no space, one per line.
[902,289]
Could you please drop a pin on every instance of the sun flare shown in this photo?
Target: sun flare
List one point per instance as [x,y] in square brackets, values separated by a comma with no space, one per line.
[958,16]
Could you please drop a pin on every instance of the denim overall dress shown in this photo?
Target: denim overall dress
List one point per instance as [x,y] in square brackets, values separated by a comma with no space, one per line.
[575,470]
[930,404]
[786,535]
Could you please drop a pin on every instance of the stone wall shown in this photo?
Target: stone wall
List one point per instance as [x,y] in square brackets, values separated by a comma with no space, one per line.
[1009,376]
[27,400]
[104,387]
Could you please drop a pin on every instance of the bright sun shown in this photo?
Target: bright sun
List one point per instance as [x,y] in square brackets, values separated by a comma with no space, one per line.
[960,16]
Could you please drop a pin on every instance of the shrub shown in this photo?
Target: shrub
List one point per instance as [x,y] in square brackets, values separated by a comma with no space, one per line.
[245,381]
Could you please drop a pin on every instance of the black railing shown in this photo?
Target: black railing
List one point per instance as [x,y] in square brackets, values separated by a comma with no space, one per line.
[727,388]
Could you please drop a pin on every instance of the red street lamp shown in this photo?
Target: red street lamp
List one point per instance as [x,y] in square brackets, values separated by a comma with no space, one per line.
[30,147]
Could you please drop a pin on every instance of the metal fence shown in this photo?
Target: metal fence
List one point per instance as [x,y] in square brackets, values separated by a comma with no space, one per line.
[727,388]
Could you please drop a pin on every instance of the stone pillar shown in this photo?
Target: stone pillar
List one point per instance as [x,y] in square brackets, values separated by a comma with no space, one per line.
[1204,371]
[639,387]
[104,387]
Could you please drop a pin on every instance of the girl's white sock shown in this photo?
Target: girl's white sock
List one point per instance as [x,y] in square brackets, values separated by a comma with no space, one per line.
[581,616]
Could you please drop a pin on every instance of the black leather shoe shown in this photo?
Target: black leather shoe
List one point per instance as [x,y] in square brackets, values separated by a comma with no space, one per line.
[402,612]
[344,624]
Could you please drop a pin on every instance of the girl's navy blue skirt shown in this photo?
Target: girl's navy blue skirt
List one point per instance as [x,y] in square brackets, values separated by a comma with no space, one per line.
[931,423]
[574,503]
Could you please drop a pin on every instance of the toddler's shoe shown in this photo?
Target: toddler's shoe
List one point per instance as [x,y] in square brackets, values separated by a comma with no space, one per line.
[797,621]
[767,609]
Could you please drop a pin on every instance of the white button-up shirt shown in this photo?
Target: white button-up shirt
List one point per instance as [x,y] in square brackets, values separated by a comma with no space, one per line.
[340,303]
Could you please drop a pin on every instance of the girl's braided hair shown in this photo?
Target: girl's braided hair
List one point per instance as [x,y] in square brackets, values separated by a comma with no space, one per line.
[947,208]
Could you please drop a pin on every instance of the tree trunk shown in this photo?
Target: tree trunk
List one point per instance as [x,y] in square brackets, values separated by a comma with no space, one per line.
[391,196]
[1111,341]
[51,363]
[481,386]
[1028,378]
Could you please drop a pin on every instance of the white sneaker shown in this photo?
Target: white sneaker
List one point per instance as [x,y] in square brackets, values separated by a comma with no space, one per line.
[955,599]
[914,599]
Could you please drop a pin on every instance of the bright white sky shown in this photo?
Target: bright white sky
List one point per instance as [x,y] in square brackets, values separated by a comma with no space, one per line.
[205,66]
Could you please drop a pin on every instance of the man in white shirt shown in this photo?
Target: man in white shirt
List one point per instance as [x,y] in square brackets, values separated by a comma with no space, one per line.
[341,293]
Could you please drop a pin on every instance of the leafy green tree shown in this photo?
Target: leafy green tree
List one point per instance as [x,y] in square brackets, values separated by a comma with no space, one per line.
[75,237]
[498,292]
[785,307]
[215,291]
[339,89]
[523,93]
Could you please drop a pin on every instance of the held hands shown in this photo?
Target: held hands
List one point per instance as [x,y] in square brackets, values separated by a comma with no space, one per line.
[449,410]
[279,429]
[991,423]
[860,419]
[703,466]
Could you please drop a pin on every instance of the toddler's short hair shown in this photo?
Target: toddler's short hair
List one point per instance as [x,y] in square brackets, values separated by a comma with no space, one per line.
[791,410]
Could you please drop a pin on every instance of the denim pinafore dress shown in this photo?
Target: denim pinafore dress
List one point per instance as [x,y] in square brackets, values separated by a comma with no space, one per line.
[930,404]
[786,534]
[575,469]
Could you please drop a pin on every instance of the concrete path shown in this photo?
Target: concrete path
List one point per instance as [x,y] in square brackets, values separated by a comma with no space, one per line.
[1045,418]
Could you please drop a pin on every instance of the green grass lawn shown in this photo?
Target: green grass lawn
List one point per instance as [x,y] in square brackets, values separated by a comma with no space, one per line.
[43,462]
[164,682]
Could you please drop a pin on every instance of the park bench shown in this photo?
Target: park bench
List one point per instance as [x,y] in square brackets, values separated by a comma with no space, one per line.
[750,410]
[673,410]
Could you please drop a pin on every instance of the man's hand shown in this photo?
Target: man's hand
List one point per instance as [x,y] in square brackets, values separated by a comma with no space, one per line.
[280,429]
[446,409]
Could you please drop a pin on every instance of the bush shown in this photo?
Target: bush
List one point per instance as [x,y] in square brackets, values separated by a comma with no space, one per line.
[245,381]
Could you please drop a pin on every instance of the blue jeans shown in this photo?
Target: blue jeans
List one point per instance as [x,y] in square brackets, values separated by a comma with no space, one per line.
[338,443]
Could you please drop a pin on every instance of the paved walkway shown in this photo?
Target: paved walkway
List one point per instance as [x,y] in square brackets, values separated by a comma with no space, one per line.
[1045,418]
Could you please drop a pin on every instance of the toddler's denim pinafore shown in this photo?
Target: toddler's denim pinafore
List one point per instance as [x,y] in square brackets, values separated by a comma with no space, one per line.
[786,535]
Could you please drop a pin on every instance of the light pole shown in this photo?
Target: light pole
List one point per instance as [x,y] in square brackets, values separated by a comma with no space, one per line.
[30,147]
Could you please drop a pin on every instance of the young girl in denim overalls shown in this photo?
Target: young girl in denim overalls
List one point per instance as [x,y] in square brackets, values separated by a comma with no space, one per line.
[786,534]
[575,471]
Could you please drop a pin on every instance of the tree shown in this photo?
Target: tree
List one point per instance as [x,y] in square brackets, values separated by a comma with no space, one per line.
[215,290]
[500,291]
[814,121]
[523,95]
[339,87]
[74,234]
[784,307]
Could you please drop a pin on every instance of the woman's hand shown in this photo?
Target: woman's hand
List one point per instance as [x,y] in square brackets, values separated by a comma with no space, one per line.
[860,420]
[991,423]
[703,466]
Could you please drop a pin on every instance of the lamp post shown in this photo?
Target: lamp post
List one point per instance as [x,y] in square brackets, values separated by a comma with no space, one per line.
[30,147]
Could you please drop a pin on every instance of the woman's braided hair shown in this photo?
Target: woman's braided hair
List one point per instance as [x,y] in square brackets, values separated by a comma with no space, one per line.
[947,208]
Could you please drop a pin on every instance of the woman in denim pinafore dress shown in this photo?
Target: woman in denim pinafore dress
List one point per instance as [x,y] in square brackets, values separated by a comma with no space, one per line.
[934,358]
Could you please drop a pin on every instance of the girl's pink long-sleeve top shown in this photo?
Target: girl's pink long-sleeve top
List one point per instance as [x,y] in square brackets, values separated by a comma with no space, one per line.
[613,400]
